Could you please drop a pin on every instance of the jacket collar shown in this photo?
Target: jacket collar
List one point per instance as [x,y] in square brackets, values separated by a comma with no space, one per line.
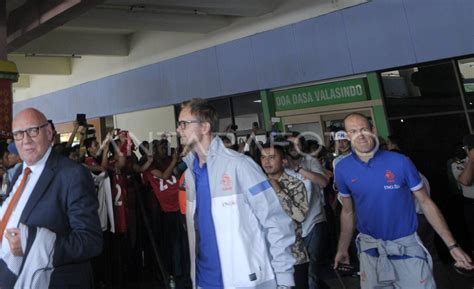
[215,147]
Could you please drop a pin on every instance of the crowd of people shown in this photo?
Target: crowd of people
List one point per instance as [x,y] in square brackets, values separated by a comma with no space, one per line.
[214,213]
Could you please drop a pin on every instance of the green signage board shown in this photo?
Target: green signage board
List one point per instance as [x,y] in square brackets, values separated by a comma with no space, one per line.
[323,94]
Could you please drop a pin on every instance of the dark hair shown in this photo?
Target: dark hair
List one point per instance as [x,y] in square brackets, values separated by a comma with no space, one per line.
[202,110]
[89,141]
[114,147]
[301,139]
[277,148]
[59,147]
[312,144]
[224,138]
[143,146]
[459,151]
[3,152]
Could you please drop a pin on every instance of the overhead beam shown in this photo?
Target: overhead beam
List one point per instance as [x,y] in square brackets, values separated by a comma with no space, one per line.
[38,17]
[41,65]
[65,42]
[148,20]
[244,8]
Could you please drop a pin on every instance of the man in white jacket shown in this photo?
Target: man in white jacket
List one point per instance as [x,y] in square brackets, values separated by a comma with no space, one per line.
[239,235]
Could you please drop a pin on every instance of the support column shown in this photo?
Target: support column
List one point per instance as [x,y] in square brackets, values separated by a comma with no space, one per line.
[3,29]
[8,75]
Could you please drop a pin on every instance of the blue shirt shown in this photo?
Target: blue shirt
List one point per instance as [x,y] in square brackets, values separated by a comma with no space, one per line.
[208,266]
[382,193]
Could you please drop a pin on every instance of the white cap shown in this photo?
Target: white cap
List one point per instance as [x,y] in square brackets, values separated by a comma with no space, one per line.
[341,135]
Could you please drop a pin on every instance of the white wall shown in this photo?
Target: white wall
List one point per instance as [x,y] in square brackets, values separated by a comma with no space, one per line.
[151,47]
[148,124]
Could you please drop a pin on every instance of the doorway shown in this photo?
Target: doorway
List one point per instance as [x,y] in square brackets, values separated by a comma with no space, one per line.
[322,126]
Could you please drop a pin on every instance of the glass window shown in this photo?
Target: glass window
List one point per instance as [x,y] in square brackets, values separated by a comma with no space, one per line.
[248,112]
[223,108]
[243,112]
[430,142]
[423,89]
[466,73]
[466,69]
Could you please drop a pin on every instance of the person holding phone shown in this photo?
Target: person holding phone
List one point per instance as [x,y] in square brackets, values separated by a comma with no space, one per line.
[463,172]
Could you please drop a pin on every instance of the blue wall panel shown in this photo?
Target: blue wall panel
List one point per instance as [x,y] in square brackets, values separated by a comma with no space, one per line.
[441,29]
[378,35]
[322,47]
[93,97]
[276,58]
[169,80]
[204,74]
[237,66]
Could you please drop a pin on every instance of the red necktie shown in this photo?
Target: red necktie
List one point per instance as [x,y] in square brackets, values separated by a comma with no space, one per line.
[13,201]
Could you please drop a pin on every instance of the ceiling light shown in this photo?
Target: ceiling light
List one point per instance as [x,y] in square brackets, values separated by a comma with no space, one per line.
[257,101]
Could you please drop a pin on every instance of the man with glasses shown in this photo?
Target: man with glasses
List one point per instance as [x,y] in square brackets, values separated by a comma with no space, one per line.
[381,185]
[239,235]
[50,193]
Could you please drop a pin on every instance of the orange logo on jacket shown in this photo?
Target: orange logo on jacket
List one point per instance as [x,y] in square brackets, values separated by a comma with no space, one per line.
[390,176]
[226,183]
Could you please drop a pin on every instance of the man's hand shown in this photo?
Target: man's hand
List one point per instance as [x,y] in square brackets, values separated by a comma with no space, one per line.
[14,240]
[81,129]
[462,259]
[341,257]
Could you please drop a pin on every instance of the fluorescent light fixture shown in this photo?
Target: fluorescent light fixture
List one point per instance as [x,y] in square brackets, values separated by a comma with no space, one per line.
[257,101]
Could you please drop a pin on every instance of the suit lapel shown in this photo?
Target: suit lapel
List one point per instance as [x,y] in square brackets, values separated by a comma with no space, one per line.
[40,188]
[14,179]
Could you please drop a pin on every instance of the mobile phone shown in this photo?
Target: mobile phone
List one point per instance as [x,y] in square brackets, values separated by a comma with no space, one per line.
[81,119]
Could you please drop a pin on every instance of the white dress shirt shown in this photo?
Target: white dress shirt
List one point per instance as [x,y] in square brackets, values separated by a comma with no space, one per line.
[33,178]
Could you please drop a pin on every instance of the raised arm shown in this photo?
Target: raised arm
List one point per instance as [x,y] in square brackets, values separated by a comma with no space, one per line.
[169,170]
[467,174]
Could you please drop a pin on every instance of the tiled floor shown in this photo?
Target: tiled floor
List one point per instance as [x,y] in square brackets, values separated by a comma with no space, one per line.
[450,280]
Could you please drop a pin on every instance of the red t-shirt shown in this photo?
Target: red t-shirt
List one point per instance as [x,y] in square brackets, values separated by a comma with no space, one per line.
[166,191]
[91,162]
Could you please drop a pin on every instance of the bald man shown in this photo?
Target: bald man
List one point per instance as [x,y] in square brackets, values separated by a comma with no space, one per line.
[59,196]
[381,185]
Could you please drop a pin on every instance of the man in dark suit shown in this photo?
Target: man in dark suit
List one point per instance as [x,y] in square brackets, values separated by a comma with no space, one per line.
[58,195]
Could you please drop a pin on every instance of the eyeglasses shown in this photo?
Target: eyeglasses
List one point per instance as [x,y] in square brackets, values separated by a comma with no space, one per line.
[183,123]
[32,132]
